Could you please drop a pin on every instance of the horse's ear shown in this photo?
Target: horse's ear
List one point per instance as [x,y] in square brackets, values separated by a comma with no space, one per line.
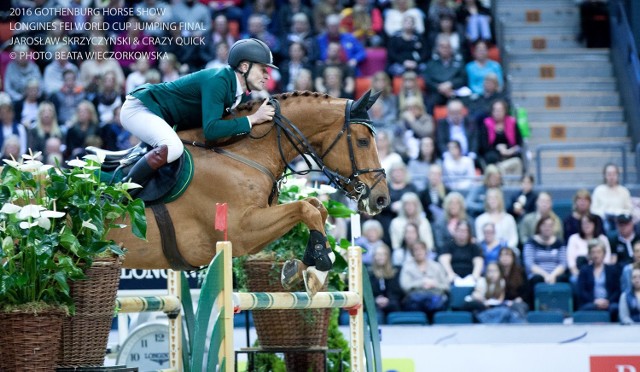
[362,104]
[372,99]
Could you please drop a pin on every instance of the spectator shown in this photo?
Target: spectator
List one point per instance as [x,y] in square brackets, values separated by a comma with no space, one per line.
[480,67]
[490,244]
[27,108]
[410,212]
[432,197]
[525,201]
[304,81]
[257,28]
[461,258]
[364,21]
[418,166]
[220,57]
[322,10]
[191,11]
[92,70]
[458,169]
[53,149]
[287,13]
[476,197]
[456,126]
[479,105]
[112,134]
[354,52]
[629,305]
[516,289]
[545,256]
[301,32]
[332,82]
[577,245]
[598,283]
[544,208]
[626,277]
[416,123]
[380,82]
[145,44]
[153,13]
[46,126]
[445,73]
[266,9]
[54,72]
[19,71]
[137,75]
[334,60]
[371,239]
[410,237]
[399,184]
[453,213]
[108,98]
[476,20]
[501,141]
[410,87]
[610,198]
[438,9]
[448,29]
[581,207]
[385,153]
[10,127]
[490,289]
[83,125]
[68,97]
[505,225]
[425,283]
[296,61]
[169,68]
[11,148]
[394,17]
[623,240]
[406,49]
[219,34]
[231,9]
[385,281]
[594,23]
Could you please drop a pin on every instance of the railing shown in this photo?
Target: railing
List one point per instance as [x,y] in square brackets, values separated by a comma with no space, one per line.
[580,146]
[626,65]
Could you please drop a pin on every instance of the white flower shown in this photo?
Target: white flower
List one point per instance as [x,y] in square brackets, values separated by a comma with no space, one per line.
[43,222]
[30,166]
[11,163]
[98,157]
[91,167]
[44,168]
[26,225]
[77,163]
[52,214]
[89,225]
[30,211]
[130,185]
[31,157]
[9,208]
[84,175]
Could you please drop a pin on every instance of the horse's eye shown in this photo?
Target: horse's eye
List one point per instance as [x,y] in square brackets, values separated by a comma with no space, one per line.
[363,142]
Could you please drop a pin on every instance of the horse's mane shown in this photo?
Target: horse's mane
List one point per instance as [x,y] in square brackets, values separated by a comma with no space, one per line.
[248,106]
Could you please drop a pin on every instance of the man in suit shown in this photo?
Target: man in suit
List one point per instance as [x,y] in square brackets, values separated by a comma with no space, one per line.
[201,98]
[456,126]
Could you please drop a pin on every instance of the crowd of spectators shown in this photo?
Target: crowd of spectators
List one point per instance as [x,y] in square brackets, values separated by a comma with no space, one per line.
[443,121]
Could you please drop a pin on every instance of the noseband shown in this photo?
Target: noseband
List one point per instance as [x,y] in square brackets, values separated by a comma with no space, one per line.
[352,186]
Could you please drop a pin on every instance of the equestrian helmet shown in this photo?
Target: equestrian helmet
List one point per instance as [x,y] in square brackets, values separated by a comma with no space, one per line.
[252,50]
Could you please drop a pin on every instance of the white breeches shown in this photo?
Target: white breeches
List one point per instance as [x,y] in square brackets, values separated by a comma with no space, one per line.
[149,127]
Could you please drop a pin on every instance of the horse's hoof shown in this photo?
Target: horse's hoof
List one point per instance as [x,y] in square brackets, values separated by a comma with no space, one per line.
[314,280]
[292,274]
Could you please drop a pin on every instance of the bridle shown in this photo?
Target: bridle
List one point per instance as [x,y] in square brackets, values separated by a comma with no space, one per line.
[352,186]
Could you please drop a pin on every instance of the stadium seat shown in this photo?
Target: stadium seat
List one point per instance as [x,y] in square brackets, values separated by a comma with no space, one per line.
[452,317]
[494,54]
[545,317]
[554,297]
[457,295]
[407,317]
[362,85]
[376,61]
[591,316]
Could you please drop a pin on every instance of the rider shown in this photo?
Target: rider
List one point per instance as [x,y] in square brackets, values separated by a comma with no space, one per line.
[151,111]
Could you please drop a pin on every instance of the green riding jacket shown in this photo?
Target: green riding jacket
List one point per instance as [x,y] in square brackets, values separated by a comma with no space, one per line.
[200,98]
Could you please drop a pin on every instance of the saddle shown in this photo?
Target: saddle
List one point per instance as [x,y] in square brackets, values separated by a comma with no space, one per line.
[166,185]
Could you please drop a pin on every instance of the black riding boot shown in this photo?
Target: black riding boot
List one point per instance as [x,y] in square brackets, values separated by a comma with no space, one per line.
[142,171]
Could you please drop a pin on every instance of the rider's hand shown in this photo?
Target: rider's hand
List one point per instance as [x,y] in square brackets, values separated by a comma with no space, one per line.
[264,114]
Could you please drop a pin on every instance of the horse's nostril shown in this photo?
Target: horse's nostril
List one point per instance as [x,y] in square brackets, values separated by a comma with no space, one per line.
[382,201]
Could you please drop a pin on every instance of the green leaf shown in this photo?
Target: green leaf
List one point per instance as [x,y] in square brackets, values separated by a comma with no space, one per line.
[138,218]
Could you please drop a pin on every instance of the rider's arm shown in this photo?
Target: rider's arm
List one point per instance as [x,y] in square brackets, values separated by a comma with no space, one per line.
[215,91]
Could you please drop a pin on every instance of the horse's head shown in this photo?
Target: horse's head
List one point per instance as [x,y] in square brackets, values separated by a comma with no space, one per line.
[360,175]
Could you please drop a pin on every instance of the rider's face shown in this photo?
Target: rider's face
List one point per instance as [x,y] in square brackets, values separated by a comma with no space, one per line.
[258,77]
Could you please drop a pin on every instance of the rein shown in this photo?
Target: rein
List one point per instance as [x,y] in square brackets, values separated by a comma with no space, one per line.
[287,129]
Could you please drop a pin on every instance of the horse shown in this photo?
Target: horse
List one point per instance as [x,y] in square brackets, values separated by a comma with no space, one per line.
[244,172]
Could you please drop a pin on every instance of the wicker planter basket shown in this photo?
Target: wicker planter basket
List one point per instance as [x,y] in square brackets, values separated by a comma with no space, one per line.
[30,342]
[85,335]
[287,328]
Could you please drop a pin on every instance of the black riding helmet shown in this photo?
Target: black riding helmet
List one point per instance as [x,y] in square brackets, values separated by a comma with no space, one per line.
[252,50]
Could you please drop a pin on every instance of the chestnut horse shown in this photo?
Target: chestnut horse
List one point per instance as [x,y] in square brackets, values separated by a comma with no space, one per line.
[335,132]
